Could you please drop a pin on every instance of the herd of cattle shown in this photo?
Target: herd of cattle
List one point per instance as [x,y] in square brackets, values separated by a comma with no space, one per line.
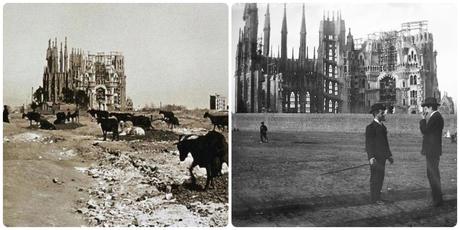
[209,151]
[109,121]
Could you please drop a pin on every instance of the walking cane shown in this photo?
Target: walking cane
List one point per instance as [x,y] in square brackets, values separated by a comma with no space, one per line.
[341,170]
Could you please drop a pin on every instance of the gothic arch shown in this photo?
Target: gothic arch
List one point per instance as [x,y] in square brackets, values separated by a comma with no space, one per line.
[99,97]
[292,100]
[383,75]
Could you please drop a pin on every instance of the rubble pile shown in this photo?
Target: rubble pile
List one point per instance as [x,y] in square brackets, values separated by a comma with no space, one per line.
[131,190]
[33,137]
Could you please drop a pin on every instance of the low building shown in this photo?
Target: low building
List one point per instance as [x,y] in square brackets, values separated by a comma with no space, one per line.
[218,102]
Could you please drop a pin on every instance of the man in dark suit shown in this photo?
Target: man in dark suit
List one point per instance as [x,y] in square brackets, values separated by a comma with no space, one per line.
[431,127]
[263,133]
[378,151]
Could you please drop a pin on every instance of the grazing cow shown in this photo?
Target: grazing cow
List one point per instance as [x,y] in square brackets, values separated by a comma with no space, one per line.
[98,113]
[45,124]
[92,112]
[217,120]
[141,121]
[122,116]
[60,118]
[108,125]
[174,121]
[167,114]
[74,116]
[208,151]
[32,116]
[102,114]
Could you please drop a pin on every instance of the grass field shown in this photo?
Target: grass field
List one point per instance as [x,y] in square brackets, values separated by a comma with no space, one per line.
[279,183]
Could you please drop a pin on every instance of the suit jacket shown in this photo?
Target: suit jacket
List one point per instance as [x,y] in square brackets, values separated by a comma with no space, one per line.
[377,142]
[432,135]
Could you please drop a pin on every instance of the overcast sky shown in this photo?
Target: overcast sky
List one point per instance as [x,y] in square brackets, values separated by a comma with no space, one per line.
[174,53]
[363,19]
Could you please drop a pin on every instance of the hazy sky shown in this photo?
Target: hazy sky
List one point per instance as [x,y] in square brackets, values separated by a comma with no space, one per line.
[364,19]
[174,53]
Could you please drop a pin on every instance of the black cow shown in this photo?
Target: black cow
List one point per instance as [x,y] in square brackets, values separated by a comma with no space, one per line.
[60,118]
[92,112]
[209,151]
[141,121]
[453,138]
[122,116]
[174,121]
[75,116]
[98,113]
[108,125]
[217,120]
[102,114]
[45,124]
[167,114]
[32,116]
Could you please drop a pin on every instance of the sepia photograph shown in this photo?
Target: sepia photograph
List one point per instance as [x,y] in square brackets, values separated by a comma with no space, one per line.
[344,114]
[115,115]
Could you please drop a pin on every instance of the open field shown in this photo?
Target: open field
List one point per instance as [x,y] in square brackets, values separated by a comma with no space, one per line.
[279,183]
[70,177]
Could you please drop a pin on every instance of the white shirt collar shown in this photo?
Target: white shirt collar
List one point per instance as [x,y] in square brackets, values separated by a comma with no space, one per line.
[433,112]
[377,120]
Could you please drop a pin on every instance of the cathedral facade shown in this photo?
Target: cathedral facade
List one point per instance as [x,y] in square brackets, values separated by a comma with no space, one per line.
[101,76]
[345,75]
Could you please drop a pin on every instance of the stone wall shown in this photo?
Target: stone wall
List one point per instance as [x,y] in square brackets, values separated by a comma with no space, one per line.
[396,123]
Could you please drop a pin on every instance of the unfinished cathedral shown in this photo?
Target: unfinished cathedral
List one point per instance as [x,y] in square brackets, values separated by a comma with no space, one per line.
[345,75]
[101,76]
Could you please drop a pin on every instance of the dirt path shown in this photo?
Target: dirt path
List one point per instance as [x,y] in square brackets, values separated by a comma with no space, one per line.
[40,181]
[280,183]
[71,178]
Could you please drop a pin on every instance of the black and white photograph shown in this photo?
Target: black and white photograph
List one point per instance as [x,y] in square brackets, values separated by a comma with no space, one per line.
[115,115]
[344,114]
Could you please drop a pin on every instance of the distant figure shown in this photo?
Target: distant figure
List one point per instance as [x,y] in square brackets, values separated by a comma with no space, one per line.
[5,114]
[431,127]
[263,133]
[68,115]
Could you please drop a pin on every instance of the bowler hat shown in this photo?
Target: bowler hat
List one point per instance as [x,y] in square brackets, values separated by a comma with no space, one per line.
[377,106]
[430,101]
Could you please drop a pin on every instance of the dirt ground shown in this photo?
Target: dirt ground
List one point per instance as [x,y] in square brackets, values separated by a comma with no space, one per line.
[70,177]
[280,183]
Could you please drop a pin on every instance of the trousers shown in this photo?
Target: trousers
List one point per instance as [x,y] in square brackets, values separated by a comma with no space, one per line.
[434,177]
[263,137]
[376,181]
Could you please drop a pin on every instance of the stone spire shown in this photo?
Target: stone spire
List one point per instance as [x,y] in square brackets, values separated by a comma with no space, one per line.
[267,32]
[66,55]
[284,41]
[303,38]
